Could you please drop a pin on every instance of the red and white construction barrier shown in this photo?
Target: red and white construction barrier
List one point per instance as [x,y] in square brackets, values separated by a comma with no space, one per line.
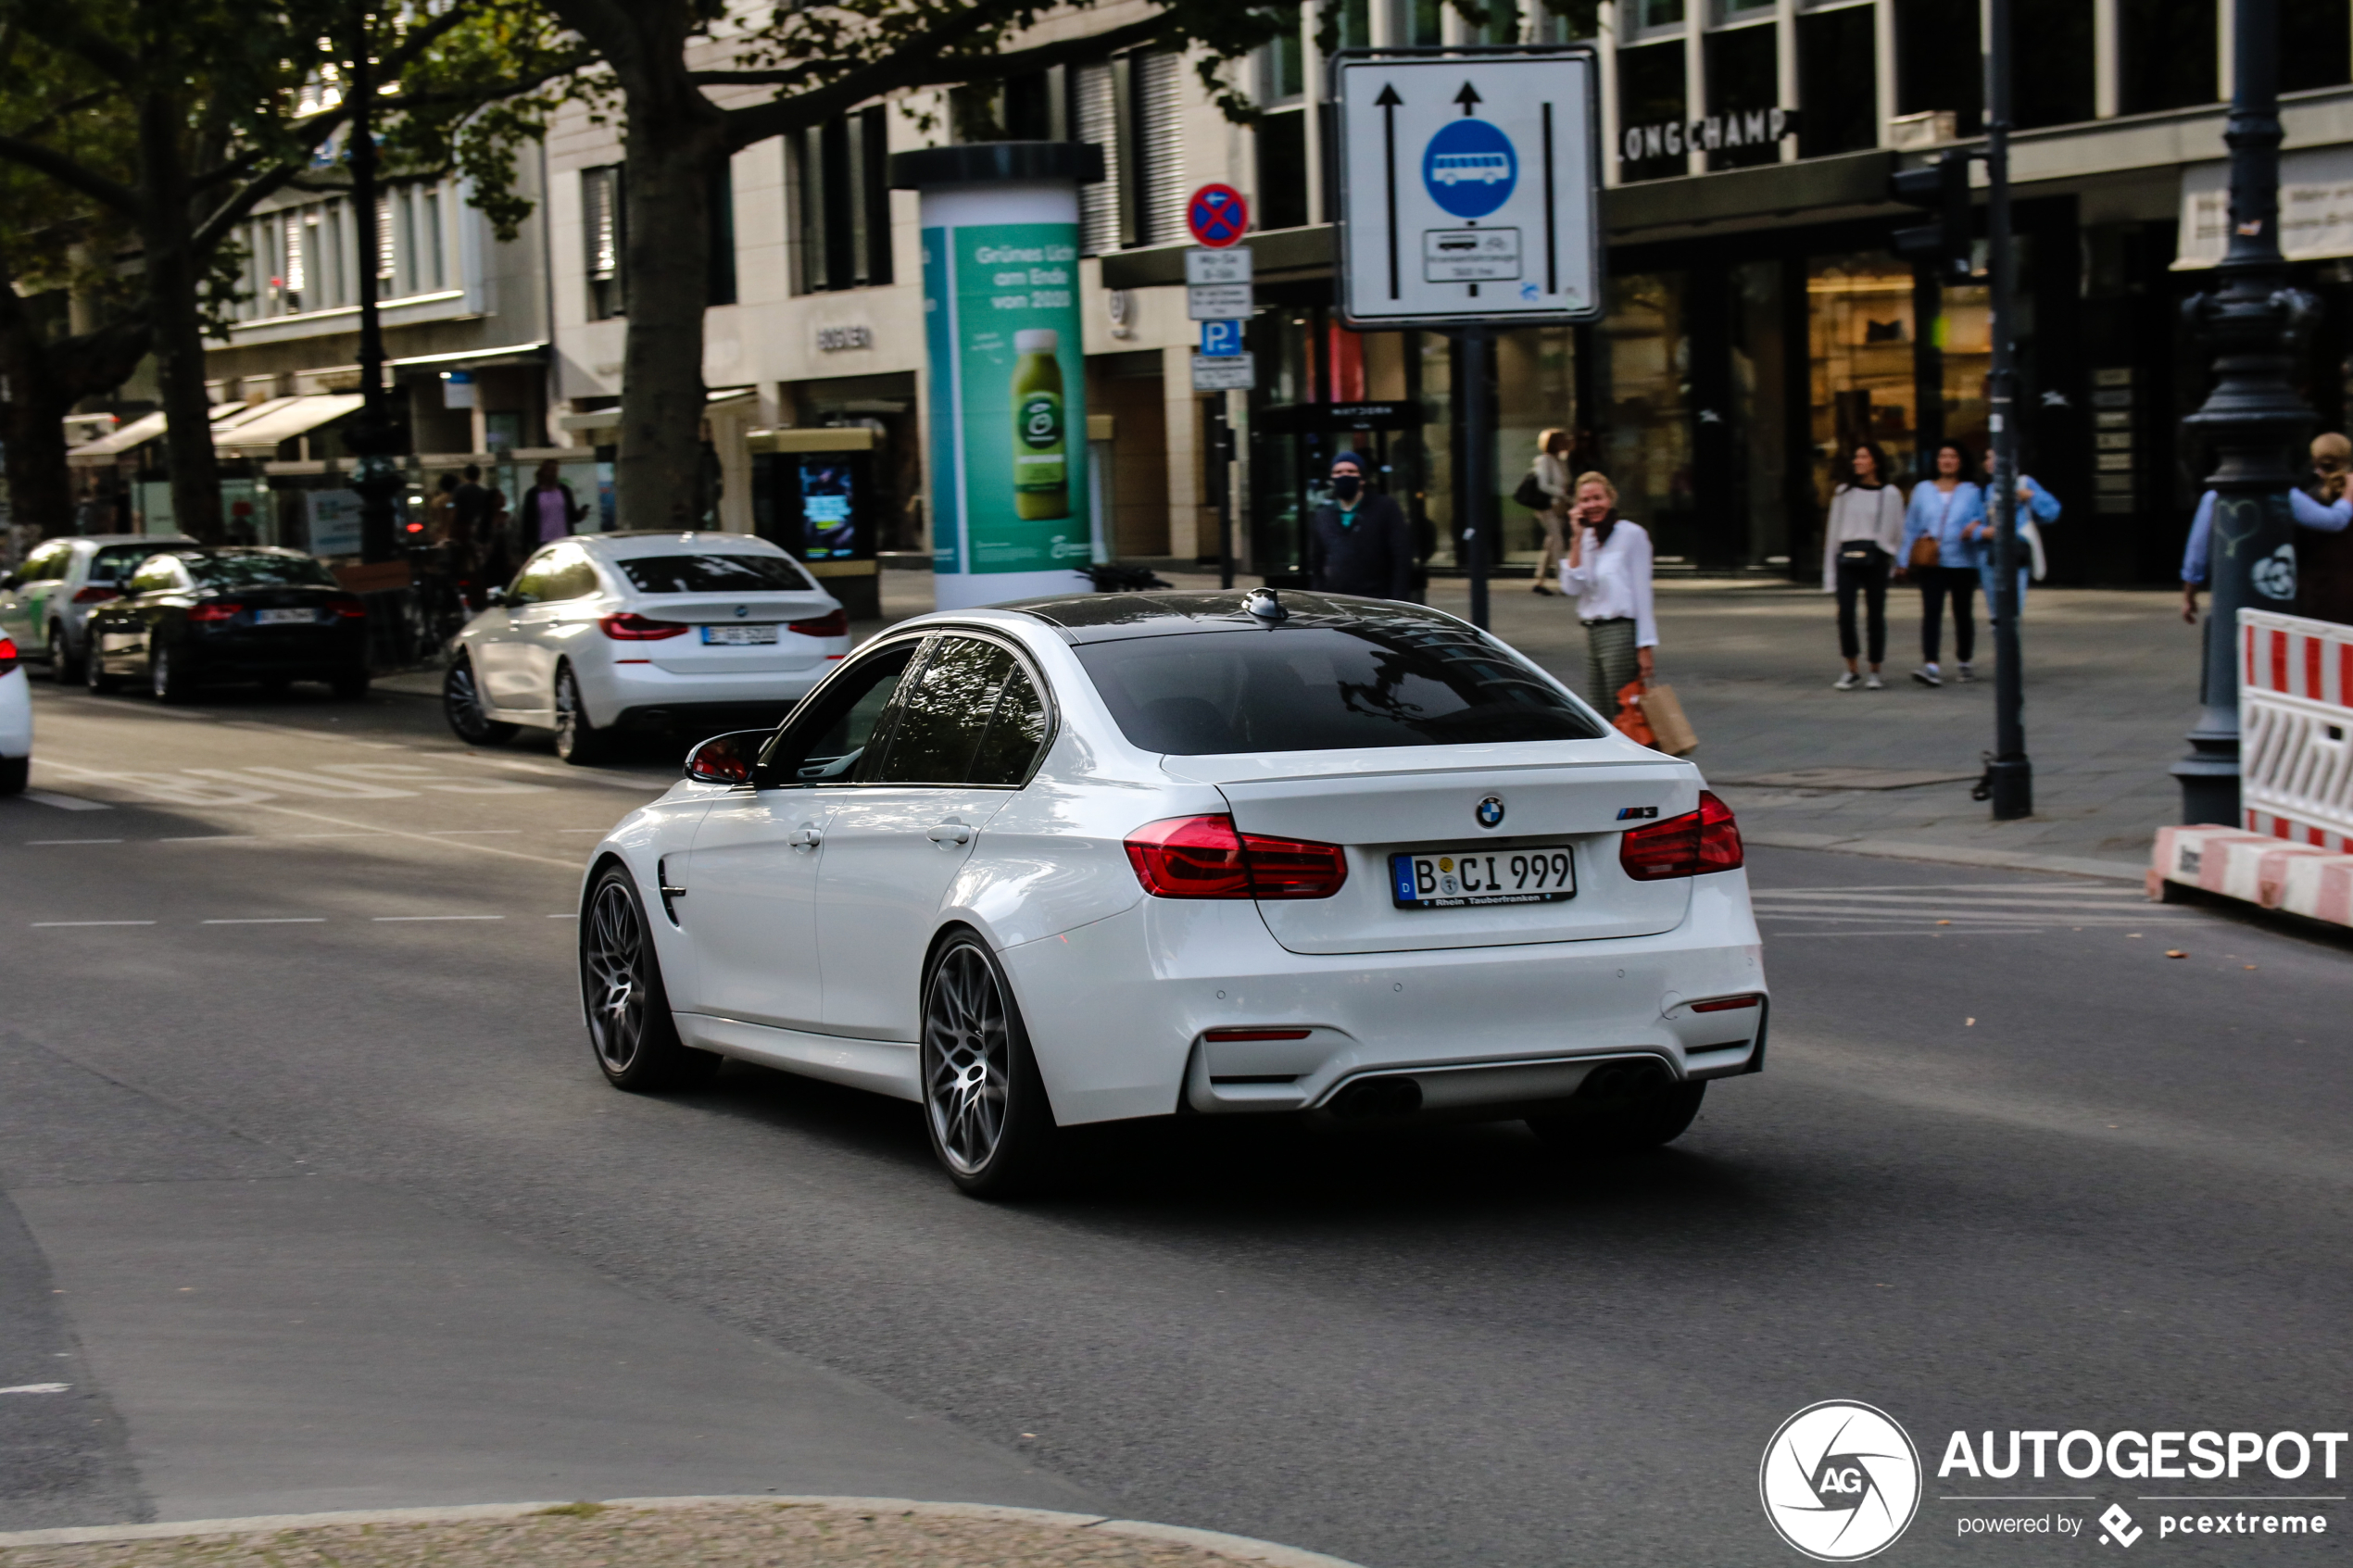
[2302,879]
[2295,729]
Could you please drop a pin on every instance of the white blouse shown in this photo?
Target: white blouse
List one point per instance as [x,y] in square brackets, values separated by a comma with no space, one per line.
[1861,516]
[1614,582]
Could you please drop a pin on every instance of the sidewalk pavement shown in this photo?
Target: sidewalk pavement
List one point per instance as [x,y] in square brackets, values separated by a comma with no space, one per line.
[659,1532]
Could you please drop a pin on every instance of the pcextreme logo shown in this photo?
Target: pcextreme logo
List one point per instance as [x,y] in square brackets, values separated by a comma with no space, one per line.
[1840,1481]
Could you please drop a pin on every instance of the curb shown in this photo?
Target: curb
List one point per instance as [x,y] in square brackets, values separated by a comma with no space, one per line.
[1240,1548]
[1950,854]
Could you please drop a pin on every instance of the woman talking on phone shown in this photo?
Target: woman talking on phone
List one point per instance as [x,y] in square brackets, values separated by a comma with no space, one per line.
[1608,573]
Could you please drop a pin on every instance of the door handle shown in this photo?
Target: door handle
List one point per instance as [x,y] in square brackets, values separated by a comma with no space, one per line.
[807,836]
[948,833]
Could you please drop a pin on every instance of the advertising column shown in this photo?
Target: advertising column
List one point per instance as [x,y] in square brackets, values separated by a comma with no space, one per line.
[1007,393]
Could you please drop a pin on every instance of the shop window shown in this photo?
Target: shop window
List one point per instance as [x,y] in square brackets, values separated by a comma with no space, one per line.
[2316,45]
[1837,81]
[722,210]
[1940,60]
[2056,35]
[1860,347]
[2166,55]
[1742,78]
[604,223]
[1760,413]
[1647,340]
[1650,106]
[839,169]
[1536,391]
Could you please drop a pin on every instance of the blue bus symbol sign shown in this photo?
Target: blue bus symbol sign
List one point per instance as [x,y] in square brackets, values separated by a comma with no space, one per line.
[1469,167]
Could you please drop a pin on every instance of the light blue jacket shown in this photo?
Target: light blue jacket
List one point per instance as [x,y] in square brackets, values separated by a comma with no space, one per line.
[1934,511]
[2309,514]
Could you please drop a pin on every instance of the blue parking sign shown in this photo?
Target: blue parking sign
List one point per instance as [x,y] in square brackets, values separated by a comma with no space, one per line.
[1220,340]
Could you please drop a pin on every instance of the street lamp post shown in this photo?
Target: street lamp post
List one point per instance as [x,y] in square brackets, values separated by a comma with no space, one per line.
[370,438]
[2253,322]
[2011,776]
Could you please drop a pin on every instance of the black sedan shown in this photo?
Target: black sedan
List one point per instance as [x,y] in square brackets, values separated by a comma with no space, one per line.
[200,615]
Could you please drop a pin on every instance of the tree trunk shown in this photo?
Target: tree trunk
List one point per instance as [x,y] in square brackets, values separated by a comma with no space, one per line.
[174,279]
[43,382]
[677,147]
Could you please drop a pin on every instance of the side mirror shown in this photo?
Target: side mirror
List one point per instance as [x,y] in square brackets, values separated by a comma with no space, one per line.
[494,595]
[731,758]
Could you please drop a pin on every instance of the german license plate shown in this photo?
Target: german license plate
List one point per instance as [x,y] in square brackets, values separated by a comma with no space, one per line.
[735,636]
[283,617]
[1479,877]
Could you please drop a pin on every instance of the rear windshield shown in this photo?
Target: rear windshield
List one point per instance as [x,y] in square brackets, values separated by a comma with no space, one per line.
[238,570]
[115,562]
[1325,688]
[713,574]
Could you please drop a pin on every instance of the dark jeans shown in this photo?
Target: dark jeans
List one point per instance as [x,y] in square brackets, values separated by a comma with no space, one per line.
[1936,582]
[1868,578]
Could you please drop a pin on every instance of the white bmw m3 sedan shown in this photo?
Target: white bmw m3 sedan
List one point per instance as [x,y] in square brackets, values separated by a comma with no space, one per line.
[1129,855]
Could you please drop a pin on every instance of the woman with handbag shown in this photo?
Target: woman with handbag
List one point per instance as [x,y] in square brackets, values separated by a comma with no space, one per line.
[1608,573]
[1858,552]
[1544,491]
[1941,552]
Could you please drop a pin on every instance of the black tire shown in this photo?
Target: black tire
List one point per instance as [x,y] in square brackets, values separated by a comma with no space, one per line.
[1623,1109]
[631,1033]
[462,706]
[64,668]
[985,1106]
[351,686]
[168,676]
[15,773]
[95,678]
[577,741]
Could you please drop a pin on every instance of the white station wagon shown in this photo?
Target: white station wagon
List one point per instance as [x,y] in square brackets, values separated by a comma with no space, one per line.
[1080,859]
[642,629]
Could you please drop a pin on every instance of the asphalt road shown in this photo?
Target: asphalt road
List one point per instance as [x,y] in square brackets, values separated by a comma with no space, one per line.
[314,1199]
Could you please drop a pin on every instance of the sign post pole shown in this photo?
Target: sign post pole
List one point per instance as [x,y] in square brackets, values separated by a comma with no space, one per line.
[1478,479]
[1218,295]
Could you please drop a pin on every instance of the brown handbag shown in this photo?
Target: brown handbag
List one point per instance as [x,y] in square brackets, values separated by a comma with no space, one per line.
[1926,552]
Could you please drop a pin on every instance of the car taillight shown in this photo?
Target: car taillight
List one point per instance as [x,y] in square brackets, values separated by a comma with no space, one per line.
[219,609]
[1204,857]
[94,595]
[349,605]
[629,627]
[833,625]
[1690,844]
[8,654]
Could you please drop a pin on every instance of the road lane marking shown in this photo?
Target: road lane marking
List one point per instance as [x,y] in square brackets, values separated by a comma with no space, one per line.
[53,925]
[568,914]
[32,841]
[383,920]
[271,919]
[473,832]
[64,802]
[38,1388]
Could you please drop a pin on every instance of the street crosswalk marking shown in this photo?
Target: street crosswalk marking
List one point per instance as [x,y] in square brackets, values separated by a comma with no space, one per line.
[1977,907]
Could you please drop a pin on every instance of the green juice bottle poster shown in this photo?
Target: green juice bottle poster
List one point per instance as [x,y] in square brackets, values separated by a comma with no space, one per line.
[1042,473]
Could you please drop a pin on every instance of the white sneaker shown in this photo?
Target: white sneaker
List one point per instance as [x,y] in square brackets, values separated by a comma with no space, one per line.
[1968,673]
[1927,676]
[1845,682]
[1873,684]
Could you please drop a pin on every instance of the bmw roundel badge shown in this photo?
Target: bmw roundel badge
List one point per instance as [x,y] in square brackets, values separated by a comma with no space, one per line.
[1491,811]
[742,610]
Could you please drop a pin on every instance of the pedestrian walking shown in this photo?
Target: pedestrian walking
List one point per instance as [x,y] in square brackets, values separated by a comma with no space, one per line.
[2036,506]
[1359,541]
[2329,516]
[1607,571]
[2324,562]
[1548,479]
[550,509]
[1858,555]
[1940,553]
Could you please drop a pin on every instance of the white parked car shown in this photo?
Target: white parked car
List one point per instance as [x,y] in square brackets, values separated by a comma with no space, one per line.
[1124,855]
[45,603]
[643,630]
[15,719]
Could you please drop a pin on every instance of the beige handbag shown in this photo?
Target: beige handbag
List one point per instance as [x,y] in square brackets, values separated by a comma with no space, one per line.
[1675,733]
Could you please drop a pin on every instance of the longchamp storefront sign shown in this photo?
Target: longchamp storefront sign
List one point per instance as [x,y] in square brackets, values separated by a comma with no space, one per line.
[1737,127]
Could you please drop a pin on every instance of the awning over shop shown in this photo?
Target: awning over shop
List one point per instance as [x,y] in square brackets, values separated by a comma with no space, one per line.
[476,359]
[259,435]
[107,447]
[2316,207]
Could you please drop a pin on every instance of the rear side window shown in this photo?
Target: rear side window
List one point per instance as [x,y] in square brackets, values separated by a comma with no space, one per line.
[1325,688]
[258,571]
[1016,733]
[47,564]
[713,574]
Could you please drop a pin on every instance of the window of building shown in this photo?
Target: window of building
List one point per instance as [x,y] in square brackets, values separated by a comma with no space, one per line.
[1281,137]
[2166,55]
[604,236]
[1859,314]
[1940,62]
[1742,78]
[1650,106]
[1151,164]
[1568,22]
[722,209]
[840,171]
[2316,45]
[1094,114]
[2056,36]
[1650,16]
[1837,81]
[1429,23]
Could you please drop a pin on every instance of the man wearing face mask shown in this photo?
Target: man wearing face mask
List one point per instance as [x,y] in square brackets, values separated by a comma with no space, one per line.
[1359,541]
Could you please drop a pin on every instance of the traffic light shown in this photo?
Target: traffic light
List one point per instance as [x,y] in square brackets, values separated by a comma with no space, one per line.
[1943,188]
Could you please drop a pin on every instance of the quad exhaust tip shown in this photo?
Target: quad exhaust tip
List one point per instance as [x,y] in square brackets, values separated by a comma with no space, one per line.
[1377,1097]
